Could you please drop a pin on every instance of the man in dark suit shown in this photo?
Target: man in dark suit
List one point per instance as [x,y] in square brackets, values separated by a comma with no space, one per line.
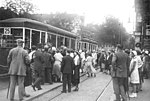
[120,65]
[67,69]
[38,67]
[47,66]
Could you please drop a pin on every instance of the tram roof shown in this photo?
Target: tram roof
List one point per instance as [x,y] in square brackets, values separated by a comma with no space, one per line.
[88,40]
[29,23]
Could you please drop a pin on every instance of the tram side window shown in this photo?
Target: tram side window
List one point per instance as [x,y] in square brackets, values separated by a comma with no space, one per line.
[72,43]
[43,38]
[1,33]
[59,41]
[18,34]
[35,37]
[27,38]
[52,39]
[79,45]
[89,47]
[8,41]
[85,46]
[67,42]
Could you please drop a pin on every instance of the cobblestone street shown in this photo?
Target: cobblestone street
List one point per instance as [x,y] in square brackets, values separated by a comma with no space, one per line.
[89,90]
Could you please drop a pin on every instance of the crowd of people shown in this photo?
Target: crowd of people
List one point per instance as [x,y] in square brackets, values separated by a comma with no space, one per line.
[129,68]
[47,64]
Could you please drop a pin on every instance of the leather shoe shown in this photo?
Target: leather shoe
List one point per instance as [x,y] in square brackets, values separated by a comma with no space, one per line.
[33,87]
[63,91]
[39,88]
[26,95]
[76,89]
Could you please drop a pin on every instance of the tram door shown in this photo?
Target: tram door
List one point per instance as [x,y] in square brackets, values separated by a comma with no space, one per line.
[7,42]
[35,38]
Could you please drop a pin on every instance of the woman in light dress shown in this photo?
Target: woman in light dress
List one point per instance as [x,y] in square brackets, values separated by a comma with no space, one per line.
[57,66]
[135,63]
[89,65]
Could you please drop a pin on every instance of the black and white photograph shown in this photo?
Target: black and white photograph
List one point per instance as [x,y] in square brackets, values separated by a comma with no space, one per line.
[74,50]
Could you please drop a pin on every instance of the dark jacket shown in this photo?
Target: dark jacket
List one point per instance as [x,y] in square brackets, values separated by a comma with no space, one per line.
[120,64]
[102,58]
[48,60]
[67,64]
[38,61]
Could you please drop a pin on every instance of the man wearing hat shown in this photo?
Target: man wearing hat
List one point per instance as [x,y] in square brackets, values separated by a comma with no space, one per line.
[47,66]
[38,67]
[17,60]
[120,66]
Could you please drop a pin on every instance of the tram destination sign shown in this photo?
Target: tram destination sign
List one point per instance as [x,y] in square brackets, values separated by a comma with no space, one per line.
[7,31]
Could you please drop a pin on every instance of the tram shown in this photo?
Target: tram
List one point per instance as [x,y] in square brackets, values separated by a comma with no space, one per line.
[34,32]
[87,44]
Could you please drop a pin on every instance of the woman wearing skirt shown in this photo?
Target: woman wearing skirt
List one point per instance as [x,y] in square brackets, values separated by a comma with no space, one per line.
[89,65]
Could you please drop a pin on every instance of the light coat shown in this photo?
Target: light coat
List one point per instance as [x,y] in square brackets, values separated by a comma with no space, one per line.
[17,60]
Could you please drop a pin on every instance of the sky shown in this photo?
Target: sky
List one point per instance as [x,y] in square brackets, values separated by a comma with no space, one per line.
[94,11]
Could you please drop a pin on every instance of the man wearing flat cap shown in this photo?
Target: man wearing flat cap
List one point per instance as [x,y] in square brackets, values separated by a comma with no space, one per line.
[17,60]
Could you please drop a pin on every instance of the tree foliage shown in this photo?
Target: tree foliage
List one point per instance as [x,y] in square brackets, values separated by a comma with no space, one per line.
[69,22]
[7,13]
[111,32]
[19,6]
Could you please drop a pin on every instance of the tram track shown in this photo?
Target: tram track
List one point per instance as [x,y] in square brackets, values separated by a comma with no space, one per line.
[103,91]
[97,99]
[71,87]
[58,89]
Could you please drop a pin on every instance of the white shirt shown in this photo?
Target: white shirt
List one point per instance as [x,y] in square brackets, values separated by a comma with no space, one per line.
[58,57]
[82,55]
[76,59]
[94,55]
[30,54]
[72,55]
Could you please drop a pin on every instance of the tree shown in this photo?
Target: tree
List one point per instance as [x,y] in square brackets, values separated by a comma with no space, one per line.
[7,13]
[19,6]
[69,22]
[111,32]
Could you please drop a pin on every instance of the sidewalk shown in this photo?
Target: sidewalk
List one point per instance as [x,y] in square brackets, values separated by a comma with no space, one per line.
[45,88]
[29,90]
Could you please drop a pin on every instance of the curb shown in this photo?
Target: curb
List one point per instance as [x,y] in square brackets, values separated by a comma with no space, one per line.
[30,99]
